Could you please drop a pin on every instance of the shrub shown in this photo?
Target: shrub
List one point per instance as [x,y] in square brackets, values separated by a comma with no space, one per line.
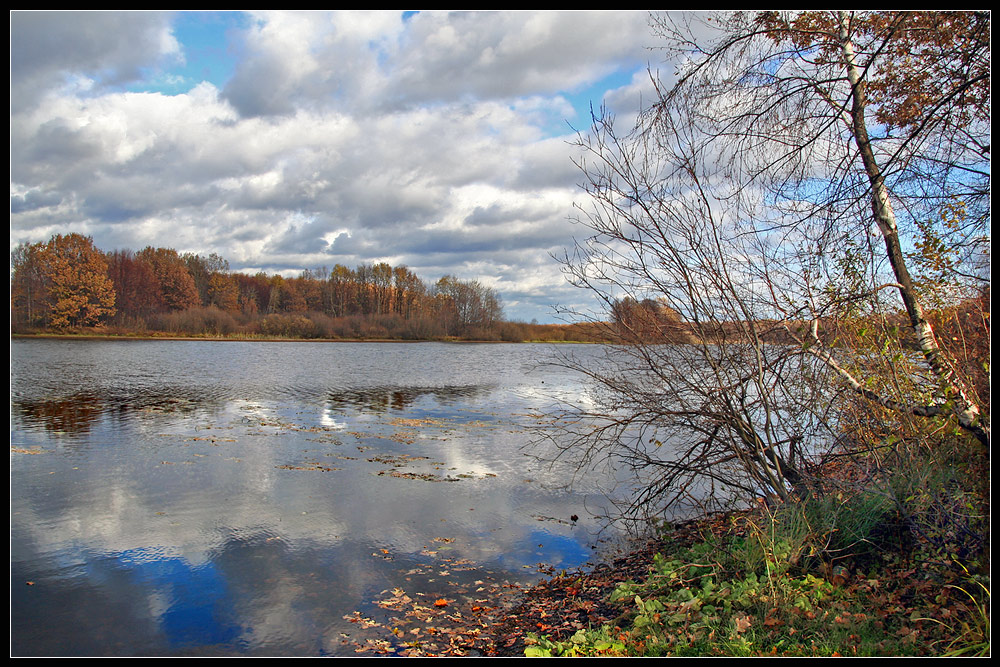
[196,321]
[288,326]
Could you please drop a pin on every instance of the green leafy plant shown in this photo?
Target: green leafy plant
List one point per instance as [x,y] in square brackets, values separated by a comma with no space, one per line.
[582,643]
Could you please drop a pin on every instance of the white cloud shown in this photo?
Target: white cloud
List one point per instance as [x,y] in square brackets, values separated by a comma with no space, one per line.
[341,137]
[49,48]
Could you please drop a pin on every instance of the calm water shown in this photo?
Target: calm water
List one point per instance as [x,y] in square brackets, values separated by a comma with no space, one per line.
[242,498]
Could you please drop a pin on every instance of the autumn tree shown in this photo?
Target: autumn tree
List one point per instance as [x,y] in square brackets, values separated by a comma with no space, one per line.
[136,287]
[468,305]
[364,284]
[382,287]
[647,320]
[409,291]
[342,290]
[222,292]
[276,295]
[78,291]
[254,292]
[292,299]
[27,286]
[923,150]
[177,286]
[311,288]
[779,189]
[202,269]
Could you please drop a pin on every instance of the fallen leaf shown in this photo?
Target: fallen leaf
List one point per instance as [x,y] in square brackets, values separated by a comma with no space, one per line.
[441,603]
[743,623]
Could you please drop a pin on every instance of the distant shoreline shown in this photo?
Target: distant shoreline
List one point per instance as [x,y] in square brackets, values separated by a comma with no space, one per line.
[225,339]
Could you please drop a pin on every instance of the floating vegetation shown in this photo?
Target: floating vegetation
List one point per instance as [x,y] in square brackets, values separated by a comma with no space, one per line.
[423,476]
[417,423]
[425,624]
[431,477]
[311,466]
[397,460]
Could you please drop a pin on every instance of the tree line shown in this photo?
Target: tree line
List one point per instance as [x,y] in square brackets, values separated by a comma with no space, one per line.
[67,283]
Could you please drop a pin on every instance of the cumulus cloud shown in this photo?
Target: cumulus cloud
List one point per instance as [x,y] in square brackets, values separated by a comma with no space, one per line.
[507,55]
[49,49]
[379,60]
[342,137]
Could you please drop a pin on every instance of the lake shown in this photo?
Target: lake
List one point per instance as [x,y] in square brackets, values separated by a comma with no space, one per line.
[294,498]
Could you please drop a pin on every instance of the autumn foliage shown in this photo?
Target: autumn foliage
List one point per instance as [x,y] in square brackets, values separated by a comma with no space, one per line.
[68,284]
[63,283]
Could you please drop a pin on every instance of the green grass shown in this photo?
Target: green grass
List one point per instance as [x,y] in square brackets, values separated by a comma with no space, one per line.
[898,566]
[694,604]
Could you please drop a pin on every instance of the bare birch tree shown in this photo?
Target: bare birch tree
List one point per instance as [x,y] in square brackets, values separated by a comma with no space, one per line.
[779,189]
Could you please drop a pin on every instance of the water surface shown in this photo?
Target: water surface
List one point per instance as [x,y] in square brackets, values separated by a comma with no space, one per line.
[243,498]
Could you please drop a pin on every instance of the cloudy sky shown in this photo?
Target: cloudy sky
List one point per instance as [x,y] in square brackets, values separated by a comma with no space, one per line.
[285,141]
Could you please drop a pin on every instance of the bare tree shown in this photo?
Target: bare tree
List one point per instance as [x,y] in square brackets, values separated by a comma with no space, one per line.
[770,201]
[472,306]
[728,410]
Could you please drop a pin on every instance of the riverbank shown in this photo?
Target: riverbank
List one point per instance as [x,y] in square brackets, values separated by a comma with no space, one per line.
[212,323]
[843,574]
[673,598]
[272,339]
[755,583]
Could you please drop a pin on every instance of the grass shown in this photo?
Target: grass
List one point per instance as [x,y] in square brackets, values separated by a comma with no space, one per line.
[700,600]
[896,566]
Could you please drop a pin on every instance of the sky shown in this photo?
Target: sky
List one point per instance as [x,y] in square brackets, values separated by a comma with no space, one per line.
[285,141]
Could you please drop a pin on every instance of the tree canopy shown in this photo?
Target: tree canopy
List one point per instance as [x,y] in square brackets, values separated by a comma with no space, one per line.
[68,283]
[63,283]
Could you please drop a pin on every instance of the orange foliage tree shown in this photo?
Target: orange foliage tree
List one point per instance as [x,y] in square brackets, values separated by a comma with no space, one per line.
[78,289]
[177,286]
[223,292]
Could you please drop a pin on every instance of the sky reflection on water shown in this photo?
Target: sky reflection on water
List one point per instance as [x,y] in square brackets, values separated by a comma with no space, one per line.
[197,498]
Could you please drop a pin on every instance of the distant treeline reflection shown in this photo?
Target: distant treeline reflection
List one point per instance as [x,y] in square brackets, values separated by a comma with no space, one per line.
[77,413]
[384,399]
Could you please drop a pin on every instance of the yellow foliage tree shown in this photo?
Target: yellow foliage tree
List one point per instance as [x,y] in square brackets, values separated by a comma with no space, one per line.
[79,291]
[222,292]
